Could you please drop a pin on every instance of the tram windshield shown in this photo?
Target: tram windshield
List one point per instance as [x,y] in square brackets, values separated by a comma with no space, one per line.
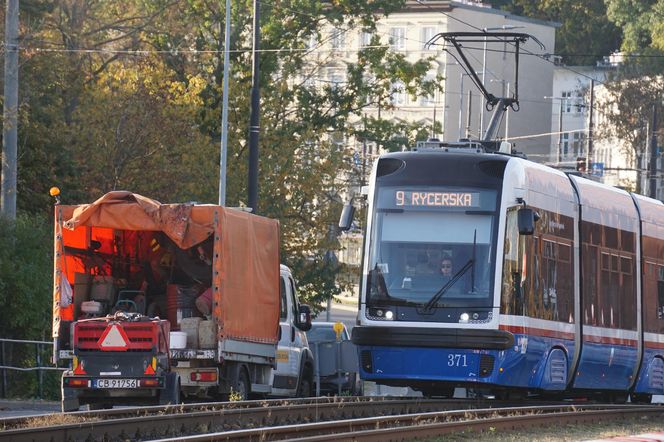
[431,247]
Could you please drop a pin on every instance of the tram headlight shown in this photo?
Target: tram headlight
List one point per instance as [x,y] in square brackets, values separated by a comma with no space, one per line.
[464,318]
[380,314]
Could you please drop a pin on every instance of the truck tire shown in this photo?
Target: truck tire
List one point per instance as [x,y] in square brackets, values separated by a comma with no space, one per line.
[170,395]
[242,387]
[306,384]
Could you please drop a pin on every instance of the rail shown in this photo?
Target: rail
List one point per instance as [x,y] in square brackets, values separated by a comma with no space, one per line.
[6,354]
[346,418]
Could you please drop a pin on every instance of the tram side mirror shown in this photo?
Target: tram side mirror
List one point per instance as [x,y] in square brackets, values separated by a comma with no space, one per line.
[346,219]
[526,219]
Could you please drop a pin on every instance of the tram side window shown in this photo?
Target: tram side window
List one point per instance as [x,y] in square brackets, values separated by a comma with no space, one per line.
[590,271]
[512,300]
[556,276]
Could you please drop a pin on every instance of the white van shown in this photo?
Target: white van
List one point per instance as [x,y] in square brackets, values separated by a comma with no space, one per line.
[294,374]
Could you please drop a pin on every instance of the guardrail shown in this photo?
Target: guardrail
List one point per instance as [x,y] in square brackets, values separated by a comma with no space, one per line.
[41,354]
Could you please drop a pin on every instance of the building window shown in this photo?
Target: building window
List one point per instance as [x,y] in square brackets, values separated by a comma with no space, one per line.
[338,38]
[397,38]
[567,101]
[578,104]
[335,80]
[398,94]
[428,100]
[427,34]
[365,39]
[312,41]
[565,146]
[577,143]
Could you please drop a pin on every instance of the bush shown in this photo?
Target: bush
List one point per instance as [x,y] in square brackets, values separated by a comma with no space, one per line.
[26,278]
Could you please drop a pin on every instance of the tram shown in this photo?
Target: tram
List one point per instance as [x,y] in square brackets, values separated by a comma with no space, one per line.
[557,282]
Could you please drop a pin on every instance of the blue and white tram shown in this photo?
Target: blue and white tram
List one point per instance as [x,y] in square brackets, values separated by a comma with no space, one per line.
[557,282]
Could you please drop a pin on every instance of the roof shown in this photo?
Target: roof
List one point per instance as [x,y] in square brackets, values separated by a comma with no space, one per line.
[442,6]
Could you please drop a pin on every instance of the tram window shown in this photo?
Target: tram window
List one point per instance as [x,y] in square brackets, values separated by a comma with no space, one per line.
[610,237]
[564,253]
[614,263]
[549,249]
[660,299]
[605,261]
[626,265]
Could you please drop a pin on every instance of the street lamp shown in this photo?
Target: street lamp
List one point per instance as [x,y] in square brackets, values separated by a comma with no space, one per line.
[495,28]
[464,75]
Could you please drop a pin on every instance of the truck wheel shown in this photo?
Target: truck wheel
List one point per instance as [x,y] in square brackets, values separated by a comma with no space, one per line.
[242,387]
[304,389]
[171,392]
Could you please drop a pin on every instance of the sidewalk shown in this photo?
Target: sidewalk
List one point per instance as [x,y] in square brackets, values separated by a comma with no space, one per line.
[27,407]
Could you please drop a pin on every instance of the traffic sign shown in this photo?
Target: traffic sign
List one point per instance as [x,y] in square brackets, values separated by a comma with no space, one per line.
[114,338]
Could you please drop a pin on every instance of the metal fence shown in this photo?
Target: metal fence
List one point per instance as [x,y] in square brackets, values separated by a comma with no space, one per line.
[31,361]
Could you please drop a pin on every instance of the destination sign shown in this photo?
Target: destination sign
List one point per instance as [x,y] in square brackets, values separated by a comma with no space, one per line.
[407,198]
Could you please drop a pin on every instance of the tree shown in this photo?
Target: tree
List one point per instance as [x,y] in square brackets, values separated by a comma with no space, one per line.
[128,96]
[307,124]
[586,34]
[628,111]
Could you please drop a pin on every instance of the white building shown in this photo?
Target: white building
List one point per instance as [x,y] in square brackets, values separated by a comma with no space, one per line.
[613,161]
[409,30]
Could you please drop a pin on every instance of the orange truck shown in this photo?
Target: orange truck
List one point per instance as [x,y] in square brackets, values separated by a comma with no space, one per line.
[154,302]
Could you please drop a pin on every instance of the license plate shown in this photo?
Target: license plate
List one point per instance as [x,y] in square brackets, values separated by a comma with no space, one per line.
[116,383]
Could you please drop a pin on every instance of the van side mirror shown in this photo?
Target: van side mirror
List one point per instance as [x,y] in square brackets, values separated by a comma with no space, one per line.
[526,219]
[303,320]
[346,219]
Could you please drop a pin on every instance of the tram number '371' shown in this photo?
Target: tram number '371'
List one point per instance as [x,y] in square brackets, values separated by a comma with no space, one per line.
[457,360]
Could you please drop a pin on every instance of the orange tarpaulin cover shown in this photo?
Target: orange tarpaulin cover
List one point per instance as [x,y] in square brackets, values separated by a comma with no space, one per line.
[124,210]
[245,273]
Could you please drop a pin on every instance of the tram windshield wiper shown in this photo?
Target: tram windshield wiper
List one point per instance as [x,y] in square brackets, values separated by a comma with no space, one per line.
[434,299]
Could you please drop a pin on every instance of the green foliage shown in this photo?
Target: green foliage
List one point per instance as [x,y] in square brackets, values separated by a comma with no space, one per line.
[131,99]
[26,276]
[586,34]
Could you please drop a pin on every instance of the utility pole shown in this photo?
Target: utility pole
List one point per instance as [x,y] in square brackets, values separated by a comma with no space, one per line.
[224,108]
[590,126]
[560,133]
[254,127]
[10,113]
[652,184]
[470,113]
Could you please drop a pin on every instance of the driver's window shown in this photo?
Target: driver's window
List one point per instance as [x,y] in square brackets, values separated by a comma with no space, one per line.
[284,302]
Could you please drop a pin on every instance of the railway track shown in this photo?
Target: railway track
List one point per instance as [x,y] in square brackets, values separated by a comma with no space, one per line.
[145,423]
[309,419]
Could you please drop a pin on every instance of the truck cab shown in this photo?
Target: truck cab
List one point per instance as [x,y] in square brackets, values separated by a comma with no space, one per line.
[293,376]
